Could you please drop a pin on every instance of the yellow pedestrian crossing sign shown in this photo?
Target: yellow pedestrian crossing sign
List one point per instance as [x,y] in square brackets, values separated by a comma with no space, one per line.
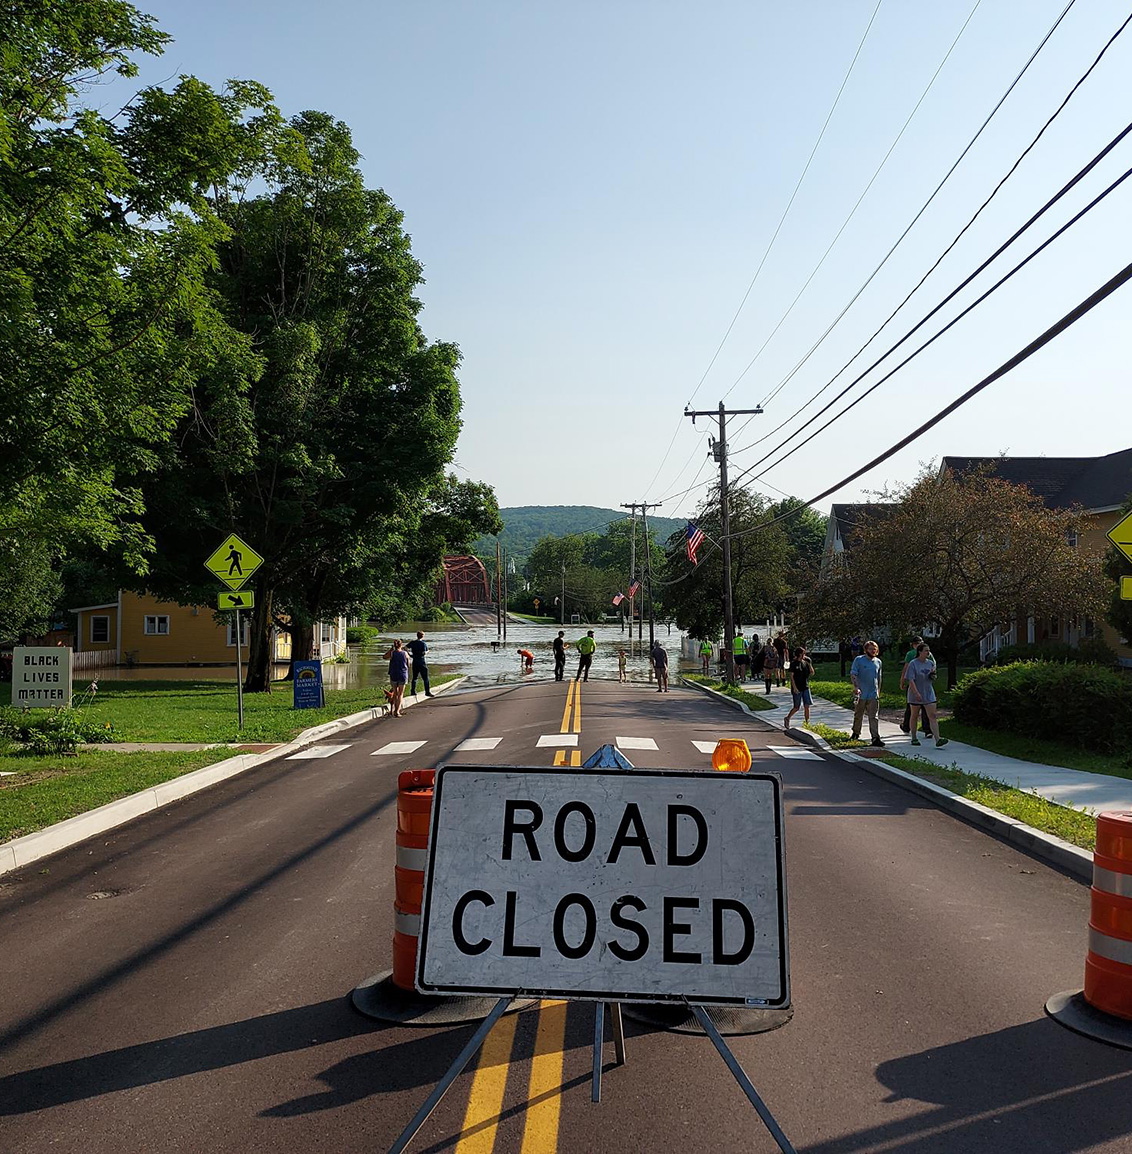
[1121,535]
[234,562]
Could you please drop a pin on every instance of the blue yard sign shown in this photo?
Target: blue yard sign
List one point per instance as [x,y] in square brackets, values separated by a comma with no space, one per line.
[308,684]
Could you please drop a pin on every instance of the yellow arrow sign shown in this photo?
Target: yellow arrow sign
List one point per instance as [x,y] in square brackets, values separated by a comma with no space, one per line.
[1121,535]
[234,562]
[235,600]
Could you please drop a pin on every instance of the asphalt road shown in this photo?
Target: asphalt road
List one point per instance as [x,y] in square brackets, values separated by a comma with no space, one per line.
[182,985]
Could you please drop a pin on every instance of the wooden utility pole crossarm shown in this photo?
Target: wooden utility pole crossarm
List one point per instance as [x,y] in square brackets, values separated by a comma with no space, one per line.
[721,414]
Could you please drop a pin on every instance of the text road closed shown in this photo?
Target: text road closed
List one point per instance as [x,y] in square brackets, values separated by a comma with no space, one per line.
[649,885]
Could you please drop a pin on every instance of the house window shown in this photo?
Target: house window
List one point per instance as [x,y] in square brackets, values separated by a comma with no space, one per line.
[1055,626]
[99,629]
[327,633]
[1072,538]
[244,635]
[157,624]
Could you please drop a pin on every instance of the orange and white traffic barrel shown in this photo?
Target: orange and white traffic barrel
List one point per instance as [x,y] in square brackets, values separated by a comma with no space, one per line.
[1103,1009]
[1108,964]
[414,809]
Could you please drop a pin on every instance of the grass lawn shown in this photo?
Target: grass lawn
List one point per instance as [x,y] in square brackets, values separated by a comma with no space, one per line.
[534,620]
[206,710]
[754,701]
[48,789]
[1069,824]
[1037,749]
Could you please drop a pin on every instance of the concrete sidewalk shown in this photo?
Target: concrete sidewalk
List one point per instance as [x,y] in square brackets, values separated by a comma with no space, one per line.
[1091,792]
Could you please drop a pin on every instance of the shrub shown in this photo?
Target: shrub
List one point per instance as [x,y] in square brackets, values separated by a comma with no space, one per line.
[360,634]
[51,730]
[1091,651]
[1087,704]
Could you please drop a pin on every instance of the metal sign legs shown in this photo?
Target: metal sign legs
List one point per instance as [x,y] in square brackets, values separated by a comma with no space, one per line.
[477,1040]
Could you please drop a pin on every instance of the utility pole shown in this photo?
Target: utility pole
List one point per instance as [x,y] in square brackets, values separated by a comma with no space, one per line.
[498,593]
[720,451]
[646,568]
[562,602]
[505,596]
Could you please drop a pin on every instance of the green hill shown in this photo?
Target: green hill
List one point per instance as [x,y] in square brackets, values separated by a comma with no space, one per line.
[523,525]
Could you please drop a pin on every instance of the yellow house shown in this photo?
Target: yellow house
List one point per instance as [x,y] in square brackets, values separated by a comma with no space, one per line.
[137,629]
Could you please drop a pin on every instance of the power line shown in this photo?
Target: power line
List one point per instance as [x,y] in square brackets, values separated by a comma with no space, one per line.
[774,237]
[955,320]
[853,211]
[950,246]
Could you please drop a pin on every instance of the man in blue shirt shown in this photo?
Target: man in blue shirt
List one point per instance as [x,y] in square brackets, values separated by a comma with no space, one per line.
[865,674]
[417,650]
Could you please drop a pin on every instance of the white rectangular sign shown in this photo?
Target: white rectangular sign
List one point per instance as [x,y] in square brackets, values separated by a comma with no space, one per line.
[609,884]
[41,676]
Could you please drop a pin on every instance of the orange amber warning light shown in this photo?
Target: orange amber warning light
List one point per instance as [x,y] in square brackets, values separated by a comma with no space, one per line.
[731,755]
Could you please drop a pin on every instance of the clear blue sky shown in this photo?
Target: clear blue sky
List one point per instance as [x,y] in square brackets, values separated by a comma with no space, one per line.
[591,186]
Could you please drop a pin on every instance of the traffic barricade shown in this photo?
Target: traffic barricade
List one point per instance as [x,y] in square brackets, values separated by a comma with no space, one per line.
[1103,1008]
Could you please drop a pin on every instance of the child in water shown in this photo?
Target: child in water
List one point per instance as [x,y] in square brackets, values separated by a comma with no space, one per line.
[621,665]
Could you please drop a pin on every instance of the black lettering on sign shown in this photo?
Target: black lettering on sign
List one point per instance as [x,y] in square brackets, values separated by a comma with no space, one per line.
[639,839]
[510,949]
[718,955]
[588,934]
[588,837]
[672,928]
[462,943]
[675,857]
[511,827]
[618,919]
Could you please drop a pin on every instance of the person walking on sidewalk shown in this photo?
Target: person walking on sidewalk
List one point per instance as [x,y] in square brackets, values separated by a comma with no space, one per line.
[417,650]
[660,664]
[780,647]
[739,653]
[705,656]
[398,677]
[924,723]
[865,673]
[770,664]
[559,655]
[917,677]
[801,670]
[585,646]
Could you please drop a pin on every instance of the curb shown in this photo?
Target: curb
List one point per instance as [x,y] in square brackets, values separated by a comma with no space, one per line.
[22,851]
[723,699]
[1055,850]
[1047,846]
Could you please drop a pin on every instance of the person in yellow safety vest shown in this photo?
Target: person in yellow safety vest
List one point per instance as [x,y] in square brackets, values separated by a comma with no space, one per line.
[585,646]
[705,655]
[739,652]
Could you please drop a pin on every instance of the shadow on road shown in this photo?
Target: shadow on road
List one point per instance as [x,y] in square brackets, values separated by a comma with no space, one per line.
[1034,1087]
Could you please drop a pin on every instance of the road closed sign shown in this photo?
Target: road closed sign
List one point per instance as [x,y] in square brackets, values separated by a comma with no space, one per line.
[607,884]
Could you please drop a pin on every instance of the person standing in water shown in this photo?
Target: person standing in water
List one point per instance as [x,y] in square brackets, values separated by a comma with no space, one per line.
[586,646]
[559,647]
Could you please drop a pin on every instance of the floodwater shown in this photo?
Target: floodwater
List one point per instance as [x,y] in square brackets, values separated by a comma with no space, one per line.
[476,651]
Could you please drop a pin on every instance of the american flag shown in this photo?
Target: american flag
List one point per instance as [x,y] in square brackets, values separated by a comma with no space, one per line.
[695,540]
[619,598]
[634,587]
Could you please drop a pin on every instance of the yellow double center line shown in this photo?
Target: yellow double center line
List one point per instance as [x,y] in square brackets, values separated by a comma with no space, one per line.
[544,1088]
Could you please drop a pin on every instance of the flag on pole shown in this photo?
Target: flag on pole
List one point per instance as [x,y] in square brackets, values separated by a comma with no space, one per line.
[695,540]
[619,598]
[634,587]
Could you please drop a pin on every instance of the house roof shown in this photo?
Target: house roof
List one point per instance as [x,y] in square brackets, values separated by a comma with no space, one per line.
[848,517]
[1094,483]
[84,608]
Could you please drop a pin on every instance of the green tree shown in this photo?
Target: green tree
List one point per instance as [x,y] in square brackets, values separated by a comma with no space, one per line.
[330,461]
[965,553]
[760,554]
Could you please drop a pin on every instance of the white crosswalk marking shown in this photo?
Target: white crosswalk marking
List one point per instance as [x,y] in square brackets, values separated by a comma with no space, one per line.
[317,751]
[558,740]
[635,743]
[394,747]
[793,752]
[705,746]
[471,743]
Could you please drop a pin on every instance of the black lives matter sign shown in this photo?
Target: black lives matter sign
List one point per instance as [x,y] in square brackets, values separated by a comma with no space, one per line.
[641,885]
[41,677]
